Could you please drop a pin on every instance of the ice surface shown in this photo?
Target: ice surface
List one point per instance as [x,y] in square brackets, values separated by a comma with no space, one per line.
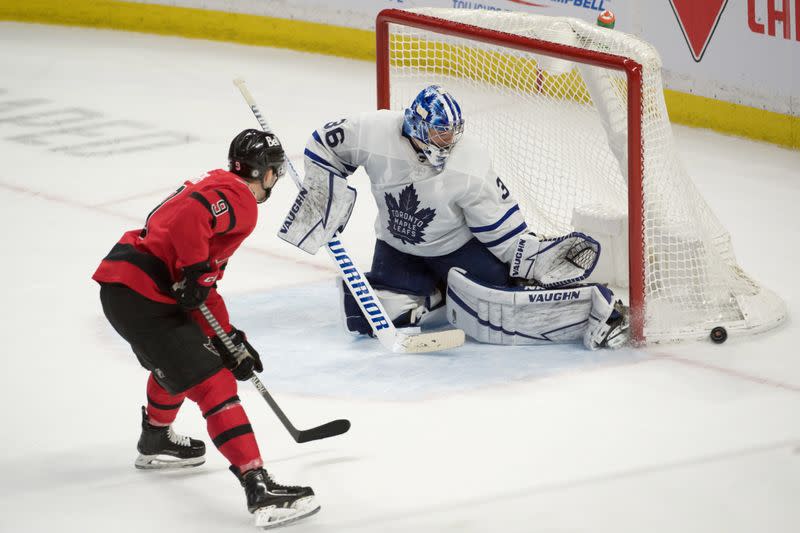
[690,438]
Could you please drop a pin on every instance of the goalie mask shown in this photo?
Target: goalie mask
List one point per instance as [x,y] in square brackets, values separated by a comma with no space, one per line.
[252,152]
[434,121]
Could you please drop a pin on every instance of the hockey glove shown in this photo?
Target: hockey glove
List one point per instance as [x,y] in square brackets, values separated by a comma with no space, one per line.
[246,359]
[193,289]
[556,262]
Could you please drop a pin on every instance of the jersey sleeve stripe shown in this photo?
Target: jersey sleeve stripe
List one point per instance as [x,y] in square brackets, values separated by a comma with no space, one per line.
[204,201]
[231,212]
[315,135]
[322,163]
[516,231]
[497,224]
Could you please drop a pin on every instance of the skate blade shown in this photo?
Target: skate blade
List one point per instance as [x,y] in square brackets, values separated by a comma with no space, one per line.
[272,516]
[166,462]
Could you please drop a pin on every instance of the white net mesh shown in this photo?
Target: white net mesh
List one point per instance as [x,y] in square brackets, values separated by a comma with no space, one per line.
[557,132]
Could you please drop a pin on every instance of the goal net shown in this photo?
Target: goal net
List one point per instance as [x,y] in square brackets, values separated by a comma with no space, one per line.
[574,117]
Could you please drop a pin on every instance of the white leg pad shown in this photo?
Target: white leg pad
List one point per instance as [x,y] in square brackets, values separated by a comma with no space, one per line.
[524,315]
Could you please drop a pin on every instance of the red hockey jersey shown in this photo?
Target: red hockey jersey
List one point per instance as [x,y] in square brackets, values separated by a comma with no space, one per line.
[203,220]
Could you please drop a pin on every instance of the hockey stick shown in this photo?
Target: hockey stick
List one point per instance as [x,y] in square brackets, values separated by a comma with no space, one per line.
[331,429]
[359,287]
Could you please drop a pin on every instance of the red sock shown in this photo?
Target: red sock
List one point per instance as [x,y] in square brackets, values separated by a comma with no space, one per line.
[162,407]
[226,420]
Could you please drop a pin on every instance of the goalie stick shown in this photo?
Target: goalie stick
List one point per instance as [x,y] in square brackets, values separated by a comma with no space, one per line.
[331,429]
[362,291]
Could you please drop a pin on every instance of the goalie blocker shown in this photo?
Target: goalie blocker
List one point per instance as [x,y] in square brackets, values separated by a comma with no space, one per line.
[533,315]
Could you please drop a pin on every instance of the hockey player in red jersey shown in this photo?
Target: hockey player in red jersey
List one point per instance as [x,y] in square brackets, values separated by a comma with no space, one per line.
[151,284]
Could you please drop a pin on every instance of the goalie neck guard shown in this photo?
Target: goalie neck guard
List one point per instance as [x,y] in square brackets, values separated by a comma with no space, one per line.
[434,121]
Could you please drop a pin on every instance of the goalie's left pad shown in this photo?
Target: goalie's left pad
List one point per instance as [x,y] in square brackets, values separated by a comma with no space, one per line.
[554,262]
[321,208]
[528,315]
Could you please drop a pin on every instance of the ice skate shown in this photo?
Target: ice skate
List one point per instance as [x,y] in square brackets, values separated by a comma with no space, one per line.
[274,504]
[161,448]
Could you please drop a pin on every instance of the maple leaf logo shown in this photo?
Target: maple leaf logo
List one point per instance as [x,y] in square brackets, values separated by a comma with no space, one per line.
[406,223]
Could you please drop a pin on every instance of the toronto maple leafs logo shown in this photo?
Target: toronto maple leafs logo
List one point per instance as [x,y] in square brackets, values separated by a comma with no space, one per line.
[407,223]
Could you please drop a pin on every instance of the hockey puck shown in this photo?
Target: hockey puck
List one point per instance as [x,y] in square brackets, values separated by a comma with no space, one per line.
[719,335]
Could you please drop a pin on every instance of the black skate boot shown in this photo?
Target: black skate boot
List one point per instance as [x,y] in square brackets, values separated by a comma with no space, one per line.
[274,504]
[160,447]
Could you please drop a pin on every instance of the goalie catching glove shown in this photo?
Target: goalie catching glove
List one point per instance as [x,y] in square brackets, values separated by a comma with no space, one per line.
[554,262]
[246,359]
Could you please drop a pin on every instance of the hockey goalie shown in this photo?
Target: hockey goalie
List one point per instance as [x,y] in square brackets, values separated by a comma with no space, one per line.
[450,235]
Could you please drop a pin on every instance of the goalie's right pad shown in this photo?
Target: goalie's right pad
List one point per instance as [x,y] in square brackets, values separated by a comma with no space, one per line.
[321,208]
[527,315]
[554,262]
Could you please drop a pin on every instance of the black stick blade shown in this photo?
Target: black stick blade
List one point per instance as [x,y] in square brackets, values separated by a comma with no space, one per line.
[331,429]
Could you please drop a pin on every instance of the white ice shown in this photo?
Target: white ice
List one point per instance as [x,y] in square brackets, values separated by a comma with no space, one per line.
[690,438]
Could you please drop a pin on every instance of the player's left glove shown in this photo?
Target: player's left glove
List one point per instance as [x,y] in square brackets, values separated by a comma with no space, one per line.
[554,262]
[193,289]
[246,359]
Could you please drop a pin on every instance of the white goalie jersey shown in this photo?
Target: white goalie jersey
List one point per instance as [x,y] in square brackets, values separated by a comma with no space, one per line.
[421,212]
